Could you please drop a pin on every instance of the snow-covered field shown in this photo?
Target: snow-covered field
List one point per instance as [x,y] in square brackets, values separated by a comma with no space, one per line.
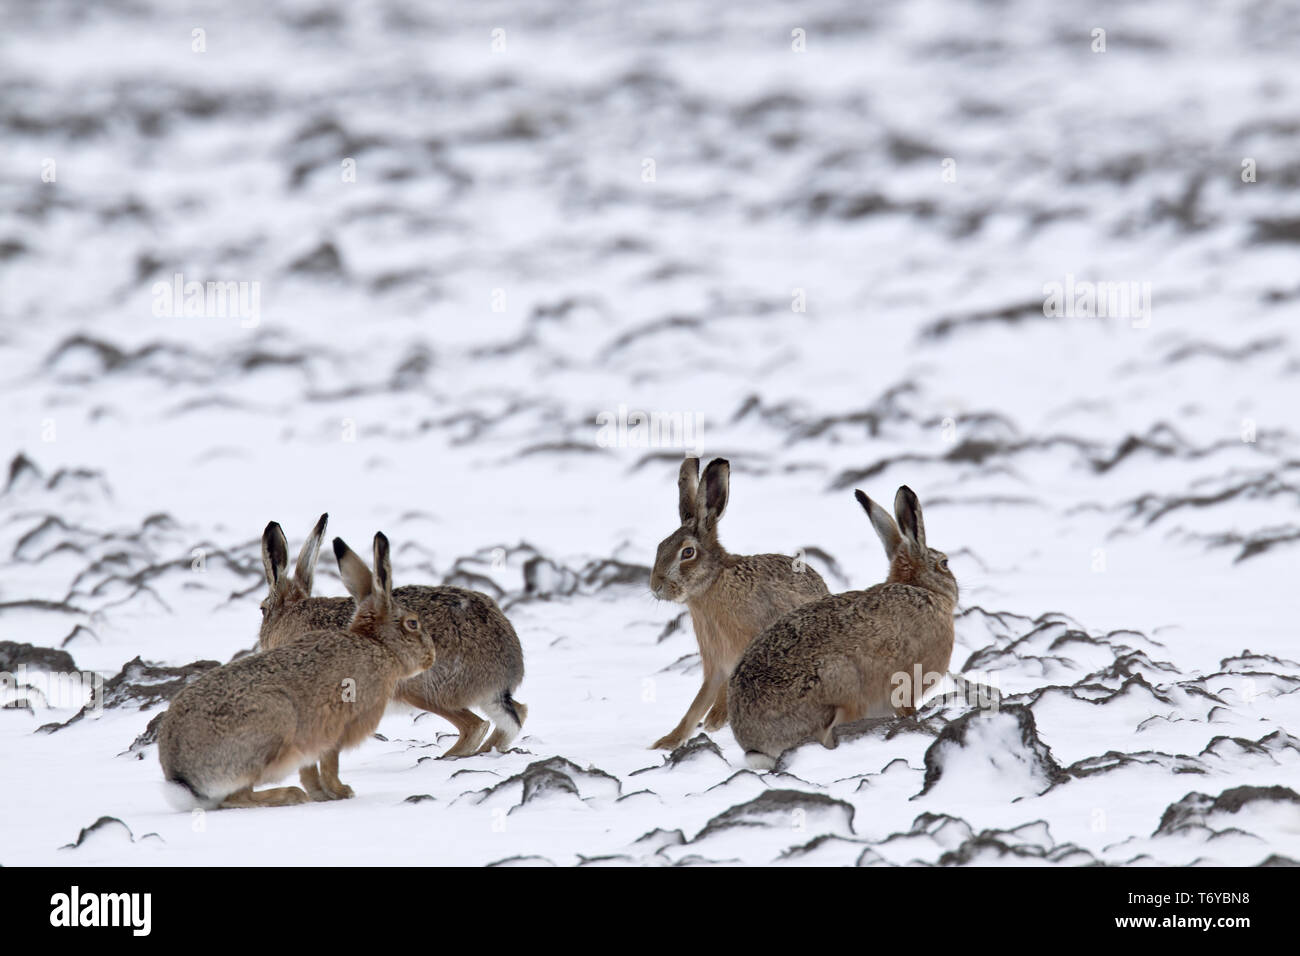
[671,210]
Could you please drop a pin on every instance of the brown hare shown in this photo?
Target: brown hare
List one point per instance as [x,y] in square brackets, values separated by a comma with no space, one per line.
[261,717]
[731,597]
[480,663]
[853,655]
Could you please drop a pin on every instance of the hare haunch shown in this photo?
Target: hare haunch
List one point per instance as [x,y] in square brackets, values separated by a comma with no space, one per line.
[853,655]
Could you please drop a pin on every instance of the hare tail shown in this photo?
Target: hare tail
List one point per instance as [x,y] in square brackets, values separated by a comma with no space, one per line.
[759,760]
[509,716]
[181,795]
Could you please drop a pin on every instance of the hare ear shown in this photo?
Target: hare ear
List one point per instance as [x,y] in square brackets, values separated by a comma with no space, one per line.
[711,501]
[884,525]
[383,584]
[908,511]
[356,576]
[688,484]
[275,555]
[305,570]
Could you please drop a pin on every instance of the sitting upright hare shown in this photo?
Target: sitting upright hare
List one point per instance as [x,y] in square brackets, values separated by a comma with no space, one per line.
[480,663]
[260,717]
[851,655]
[731,597]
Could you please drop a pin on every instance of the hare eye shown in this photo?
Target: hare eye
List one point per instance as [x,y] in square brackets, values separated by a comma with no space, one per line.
[412,623]
[688,553]
[943,564]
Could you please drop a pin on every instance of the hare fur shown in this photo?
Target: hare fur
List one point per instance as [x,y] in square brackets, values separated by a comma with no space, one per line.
[257,719]
[853,655]
[731,598]
[479,664]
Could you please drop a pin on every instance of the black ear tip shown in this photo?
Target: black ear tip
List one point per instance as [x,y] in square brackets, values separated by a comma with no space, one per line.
[271,528]
[381,542]
[340,548]
[715,468]
[862,498]
[324,519]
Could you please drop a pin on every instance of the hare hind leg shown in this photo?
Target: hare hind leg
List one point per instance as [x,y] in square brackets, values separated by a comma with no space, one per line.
[275,797]
[471,727]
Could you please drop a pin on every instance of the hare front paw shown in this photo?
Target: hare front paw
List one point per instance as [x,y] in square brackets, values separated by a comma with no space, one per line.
[669,742]
[311,783]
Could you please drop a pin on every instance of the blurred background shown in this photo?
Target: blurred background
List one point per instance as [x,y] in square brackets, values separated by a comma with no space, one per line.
[824,231]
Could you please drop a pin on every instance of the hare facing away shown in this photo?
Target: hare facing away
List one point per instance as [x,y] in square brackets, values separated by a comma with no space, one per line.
[480,663]
[260,717]
[852,655]
[731,597]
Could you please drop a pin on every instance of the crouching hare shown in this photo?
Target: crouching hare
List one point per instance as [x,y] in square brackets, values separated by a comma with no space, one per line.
[257,719]
[852,655]
[731,597]
[480,663]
